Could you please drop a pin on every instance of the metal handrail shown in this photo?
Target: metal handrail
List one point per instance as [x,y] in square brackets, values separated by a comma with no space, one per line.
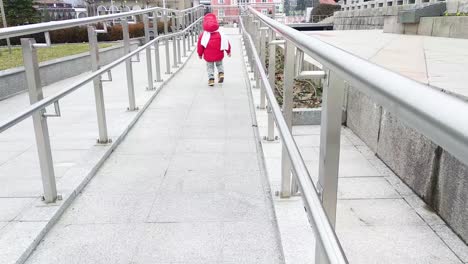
[54,25]
[319,220]
[4,125]
[437,115]
[38,103]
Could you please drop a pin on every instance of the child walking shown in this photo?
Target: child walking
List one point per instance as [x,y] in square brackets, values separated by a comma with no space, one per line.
[211,47]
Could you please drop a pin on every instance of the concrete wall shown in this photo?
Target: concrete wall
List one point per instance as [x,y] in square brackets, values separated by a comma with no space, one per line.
[359,19]
[435,175]
[386,18]
[447,26]
[13,81]
[444,26]
[369,18]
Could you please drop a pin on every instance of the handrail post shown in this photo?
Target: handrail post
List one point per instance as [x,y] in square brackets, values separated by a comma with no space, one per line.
[158,63]
[155,24]
[251,28]
[194,35]
[156,48]
[166,27]
[330,131]
[149,67]
[174,40]
[257,47]
[289,50]
[271,79]
[189,35]
[166,43]
[179,52]
[41,130]
[263,53]
[298,63]
[184,25]
[129,67]
[98,91]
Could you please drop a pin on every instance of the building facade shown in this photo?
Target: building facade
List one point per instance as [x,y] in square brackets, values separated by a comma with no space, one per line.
[117,6]
[228,11]
[54,10]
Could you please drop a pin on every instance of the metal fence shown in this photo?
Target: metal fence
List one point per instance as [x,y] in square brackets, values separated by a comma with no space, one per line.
[437,115]
[185,24]
[328,249]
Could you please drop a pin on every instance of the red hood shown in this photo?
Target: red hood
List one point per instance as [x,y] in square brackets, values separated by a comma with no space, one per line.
[210,23]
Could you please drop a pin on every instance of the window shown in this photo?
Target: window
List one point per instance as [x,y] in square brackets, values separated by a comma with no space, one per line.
[220,1]
[264,1]
[265,11]
[221,13]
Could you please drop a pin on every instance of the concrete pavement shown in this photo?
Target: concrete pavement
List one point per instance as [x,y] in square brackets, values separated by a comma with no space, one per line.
[184,186]
[438,62]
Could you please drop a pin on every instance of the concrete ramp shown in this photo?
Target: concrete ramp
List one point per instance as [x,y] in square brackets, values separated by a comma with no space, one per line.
[184,186]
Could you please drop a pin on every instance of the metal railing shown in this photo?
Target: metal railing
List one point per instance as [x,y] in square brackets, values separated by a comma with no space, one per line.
[328,248]
[54,25]
[439,116]
[189,19]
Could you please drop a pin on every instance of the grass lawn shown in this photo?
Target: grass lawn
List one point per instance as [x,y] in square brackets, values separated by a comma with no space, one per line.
[15,59]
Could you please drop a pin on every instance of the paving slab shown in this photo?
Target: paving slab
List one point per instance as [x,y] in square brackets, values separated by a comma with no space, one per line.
[436,61]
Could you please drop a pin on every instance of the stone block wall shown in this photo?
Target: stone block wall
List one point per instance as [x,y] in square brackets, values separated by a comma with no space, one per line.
[364,117]
[447,26]
[452,193]
[444,26]
[435,175]
[359,19]
[370,18]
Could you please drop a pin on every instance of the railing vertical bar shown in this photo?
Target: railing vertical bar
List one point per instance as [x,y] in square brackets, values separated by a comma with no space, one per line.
[41,130]
[129,67]
[184,25]
[156,48]
[166,43]
[263,56]
[149,67]
[98,91]
[179,51]
[289,51]
[271,79]
[174,40]
[330,133]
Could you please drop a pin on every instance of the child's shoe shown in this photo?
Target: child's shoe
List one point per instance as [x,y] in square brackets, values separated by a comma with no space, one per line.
[211,82]
[221,77]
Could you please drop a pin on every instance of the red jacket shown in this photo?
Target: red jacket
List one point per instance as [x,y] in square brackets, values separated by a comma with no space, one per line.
[213,51]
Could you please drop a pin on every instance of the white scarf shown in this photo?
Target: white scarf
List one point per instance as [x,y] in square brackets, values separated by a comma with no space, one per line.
[206,37]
